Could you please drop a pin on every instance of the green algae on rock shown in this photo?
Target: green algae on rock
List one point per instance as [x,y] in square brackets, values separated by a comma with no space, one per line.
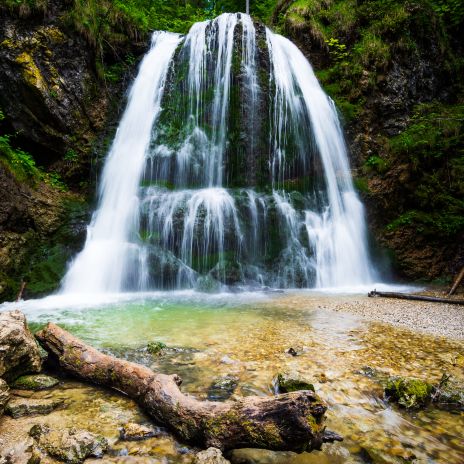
[409,393]
[35,382]
[286,383]
[20,407]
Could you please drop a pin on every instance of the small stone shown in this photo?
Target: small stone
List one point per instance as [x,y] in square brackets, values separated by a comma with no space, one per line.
[285,383]
[132,432]
[35,382]
[20,407]
[292,352]
[72,446]
[222,388]
[210,456]
[228,360]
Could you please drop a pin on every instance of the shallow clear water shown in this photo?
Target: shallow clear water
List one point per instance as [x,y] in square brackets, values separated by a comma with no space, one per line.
[248,336]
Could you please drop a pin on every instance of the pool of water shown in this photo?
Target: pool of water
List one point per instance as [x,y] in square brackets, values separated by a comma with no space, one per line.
[247,336]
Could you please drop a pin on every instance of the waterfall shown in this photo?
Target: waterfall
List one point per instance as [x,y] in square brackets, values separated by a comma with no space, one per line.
[229,168]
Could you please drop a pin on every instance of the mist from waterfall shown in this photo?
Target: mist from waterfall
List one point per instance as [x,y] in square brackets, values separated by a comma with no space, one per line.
[229,168]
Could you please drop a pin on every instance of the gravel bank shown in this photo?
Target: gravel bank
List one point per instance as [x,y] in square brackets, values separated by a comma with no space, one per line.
[432,318]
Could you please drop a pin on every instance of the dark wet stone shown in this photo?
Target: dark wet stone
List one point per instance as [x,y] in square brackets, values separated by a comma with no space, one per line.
[222,388]
[35,382]
[20,407]
[285,383]
[292,351]
[71,445]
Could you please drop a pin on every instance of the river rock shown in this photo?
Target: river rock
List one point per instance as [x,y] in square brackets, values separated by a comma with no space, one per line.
[4,395]
[71,445]
[222,388]
[35,382]
[20,407]
[19,352]
[210,456]
[289,382]
[132,432]
[409,393]
[22,453]
[260,456]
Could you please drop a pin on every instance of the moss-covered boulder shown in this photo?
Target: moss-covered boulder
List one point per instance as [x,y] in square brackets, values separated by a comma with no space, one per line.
[287,382]
[35,382]
[409,393]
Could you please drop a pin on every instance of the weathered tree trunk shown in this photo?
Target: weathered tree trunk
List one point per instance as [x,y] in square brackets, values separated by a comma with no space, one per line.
[404,296]
[457,282]
[291,421]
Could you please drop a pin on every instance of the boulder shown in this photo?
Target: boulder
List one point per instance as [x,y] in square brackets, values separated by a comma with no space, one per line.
[409,393]
[20,407]
[4,395]
[210,456]
[35,382]
[71,445]
[19,352]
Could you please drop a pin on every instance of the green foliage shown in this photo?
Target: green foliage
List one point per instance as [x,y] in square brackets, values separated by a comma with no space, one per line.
[18,161]
[377,164]
[71,155]
[337,50]
[433,146]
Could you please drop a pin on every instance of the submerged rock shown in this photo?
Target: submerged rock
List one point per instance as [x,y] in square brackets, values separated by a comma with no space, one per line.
[222,388]
[210,456]
[72,446]
[4,395]
[35,382]
[260,456]
[20,407]
[19,352]
[285,383]
[132,432]
[449,394]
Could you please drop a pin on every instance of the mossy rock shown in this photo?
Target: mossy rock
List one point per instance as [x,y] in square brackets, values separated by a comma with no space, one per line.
[156,347]
[409,393]
[35,382]
[286,383]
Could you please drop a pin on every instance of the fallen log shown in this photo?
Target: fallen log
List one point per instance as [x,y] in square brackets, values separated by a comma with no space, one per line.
[292,421]
[405,296]
[457,282]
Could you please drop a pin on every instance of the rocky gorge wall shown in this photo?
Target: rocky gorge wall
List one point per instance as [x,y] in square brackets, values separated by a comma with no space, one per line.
[57,114]
[392,69]
[390,66]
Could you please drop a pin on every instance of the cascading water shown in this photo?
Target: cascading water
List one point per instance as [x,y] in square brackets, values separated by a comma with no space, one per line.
[228,168]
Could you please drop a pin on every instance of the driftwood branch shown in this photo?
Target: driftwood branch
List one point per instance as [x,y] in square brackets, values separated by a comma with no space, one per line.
[405,296]
[291,421]
[457,282]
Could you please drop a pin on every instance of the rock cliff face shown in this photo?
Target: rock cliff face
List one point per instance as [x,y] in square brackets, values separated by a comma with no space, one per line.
[57,113]
[391,68]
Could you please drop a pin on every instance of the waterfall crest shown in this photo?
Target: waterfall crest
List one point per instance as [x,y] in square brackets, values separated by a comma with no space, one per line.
[229,167]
